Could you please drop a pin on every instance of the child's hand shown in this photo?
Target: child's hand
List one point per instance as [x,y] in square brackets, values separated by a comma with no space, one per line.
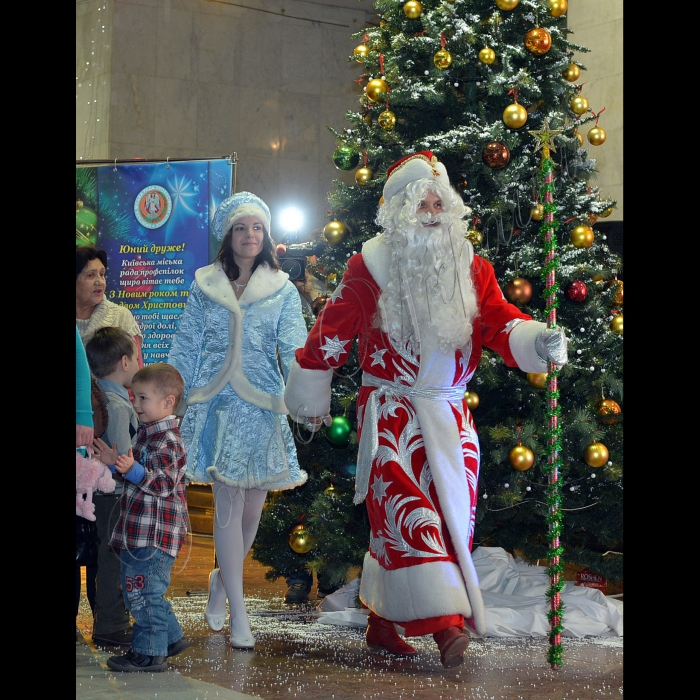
[106,454]
[125,462]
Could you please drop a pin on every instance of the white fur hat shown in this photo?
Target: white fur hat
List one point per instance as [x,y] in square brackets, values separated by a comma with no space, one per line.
[410,168]
[236,207]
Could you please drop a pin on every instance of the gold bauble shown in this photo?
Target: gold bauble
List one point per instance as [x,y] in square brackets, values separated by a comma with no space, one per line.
[472,399]
[514,116]
[619,292]
[331,491]
[582,236]
[608,408]
[580,138]
[387,120]
[507,4]
[413,9]
[596,136]
[557,8]
[579,105]
[360,52]
[475,236]
[538,381]
[537,212]
[521,458]
[538,41]
[442,59]
[363,176]
[334,231]
[596,455]
[332,280]
[301,540]
[572,73]
[592,218]
[487,55]
[616,324]
[367,119]
[381,200]
[607,212]
[377,89]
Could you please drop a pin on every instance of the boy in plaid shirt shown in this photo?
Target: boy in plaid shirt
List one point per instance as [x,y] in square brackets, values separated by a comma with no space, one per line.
[153,520]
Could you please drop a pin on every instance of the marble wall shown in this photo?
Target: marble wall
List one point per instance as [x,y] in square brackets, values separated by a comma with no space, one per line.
[207,78]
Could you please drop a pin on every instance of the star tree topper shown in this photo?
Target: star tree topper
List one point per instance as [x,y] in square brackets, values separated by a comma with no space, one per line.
[545,136]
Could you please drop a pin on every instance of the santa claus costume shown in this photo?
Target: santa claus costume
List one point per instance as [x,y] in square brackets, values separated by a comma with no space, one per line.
[418,460]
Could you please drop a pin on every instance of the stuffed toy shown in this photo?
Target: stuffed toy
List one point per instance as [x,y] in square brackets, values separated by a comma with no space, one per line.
[90,475]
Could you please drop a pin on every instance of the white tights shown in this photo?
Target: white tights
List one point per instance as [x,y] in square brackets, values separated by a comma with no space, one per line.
[236,518]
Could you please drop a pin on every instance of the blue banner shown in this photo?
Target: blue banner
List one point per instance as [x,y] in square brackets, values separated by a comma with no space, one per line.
[153,222]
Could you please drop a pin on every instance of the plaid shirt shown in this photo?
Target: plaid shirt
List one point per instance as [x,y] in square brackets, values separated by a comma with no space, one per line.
[153,513]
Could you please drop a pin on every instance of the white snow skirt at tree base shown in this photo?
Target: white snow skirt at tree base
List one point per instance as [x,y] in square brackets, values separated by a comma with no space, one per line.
[514,594]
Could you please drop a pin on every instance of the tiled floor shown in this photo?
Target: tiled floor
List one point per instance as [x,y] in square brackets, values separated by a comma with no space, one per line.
[296,657]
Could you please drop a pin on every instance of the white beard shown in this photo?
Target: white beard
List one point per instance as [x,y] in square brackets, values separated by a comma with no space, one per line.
[430,289]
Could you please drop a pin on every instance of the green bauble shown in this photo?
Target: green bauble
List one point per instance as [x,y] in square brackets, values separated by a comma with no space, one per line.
[85,226]
[345,157]
[338,432]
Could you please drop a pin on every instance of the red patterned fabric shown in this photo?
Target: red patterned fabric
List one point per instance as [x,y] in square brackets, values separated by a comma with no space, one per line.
[408,528]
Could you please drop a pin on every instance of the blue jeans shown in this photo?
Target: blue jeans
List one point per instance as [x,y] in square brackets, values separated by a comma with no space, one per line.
[145,575]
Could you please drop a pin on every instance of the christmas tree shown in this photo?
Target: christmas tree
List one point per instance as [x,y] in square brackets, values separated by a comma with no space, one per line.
[490,87]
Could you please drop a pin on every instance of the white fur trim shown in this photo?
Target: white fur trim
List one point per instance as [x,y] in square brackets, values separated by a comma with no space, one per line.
[522,345]
[249,209]
[213,282]
[417,592]
[277,482]
[410,171]
[308,391]
[376,255]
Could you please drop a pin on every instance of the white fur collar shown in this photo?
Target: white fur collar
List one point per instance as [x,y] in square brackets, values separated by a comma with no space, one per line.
[376,255]
[213,282]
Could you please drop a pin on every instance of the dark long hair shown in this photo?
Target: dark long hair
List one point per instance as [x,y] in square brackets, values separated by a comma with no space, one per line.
[225,255]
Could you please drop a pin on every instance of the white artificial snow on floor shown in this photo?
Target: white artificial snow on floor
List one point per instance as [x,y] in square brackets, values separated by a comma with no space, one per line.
[514,594]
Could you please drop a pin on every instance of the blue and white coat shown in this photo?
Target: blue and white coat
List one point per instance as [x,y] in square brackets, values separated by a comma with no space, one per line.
[235,428]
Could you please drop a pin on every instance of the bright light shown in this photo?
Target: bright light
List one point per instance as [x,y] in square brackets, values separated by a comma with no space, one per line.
[290,219]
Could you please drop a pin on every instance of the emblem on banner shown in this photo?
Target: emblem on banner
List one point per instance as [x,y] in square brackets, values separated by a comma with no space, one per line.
[153,206]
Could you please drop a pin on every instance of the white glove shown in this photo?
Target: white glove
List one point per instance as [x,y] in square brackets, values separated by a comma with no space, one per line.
[550,344]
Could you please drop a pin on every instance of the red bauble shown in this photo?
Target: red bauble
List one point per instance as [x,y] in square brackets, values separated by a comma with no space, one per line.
[576,291]
[496,155]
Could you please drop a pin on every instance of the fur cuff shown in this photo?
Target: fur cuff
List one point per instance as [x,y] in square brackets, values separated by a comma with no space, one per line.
[522,345]
[308,391]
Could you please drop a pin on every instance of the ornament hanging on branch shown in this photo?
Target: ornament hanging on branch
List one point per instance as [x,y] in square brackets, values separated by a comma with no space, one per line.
[597,136]
[618,284]
[537,212]
[572,72]
[537,381]
[521,458]
[334,231]
[596,455]
[576,291]
[387,120]
[413,9]
[345,157]
[487,55]
[362,50]
[301,540]
[616,324]
[518,291]
[472,399]
[377,89]
[338,432]
[443,58]
[582,236]
[608,408]
[363,175]
[496,155]
[579,104]
[538,41]
[557,8]
[507,4]
[515,115]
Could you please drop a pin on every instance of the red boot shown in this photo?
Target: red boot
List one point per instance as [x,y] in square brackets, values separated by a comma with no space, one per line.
[452,643]
[382,635]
